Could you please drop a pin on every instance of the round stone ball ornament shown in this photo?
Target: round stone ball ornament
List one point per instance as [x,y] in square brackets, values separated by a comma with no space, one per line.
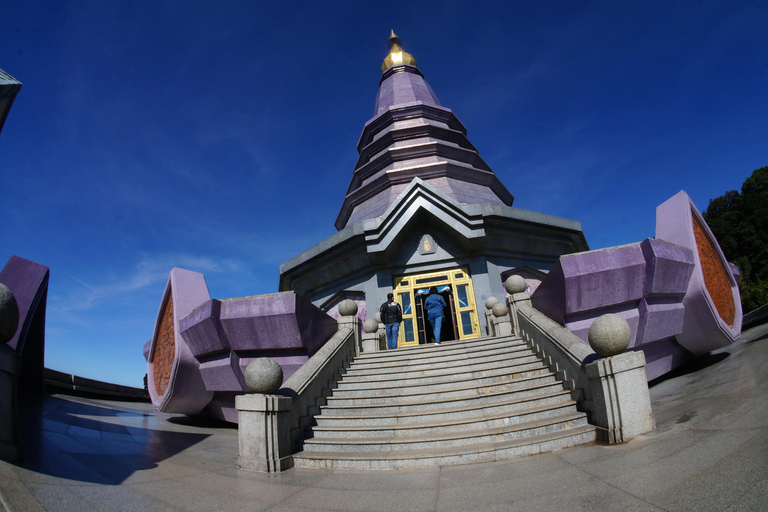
[515,284]
[499,310]
[348,307]
[490,302]
[370,326]
[263,376]
[609,335]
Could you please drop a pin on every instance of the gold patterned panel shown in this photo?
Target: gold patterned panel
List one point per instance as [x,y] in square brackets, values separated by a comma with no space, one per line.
[715,274]
[164,351]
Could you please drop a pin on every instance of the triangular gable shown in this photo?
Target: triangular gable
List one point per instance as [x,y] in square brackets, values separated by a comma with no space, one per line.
[382,231]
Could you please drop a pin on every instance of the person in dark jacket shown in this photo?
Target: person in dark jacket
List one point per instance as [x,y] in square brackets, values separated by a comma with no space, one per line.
[391,316]
[435,304]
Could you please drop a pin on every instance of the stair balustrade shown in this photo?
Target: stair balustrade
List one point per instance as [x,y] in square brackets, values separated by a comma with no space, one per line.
[613,391]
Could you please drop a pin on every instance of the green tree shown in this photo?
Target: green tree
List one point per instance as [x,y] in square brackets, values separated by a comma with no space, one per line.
[740,224]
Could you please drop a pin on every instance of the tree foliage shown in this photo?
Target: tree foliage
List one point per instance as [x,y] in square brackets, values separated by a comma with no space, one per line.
[740,224]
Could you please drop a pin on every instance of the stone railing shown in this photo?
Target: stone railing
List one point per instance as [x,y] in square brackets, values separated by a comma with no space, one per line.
[270,425]
[612,390]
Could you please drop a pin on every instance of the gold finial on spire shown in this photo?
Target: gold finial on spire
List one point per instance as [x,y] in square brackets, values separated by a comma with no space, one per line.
[397,55]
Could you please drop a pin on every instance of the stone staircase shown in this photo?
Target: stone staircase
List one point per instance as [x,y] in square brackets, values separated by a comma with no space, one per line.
[462,402]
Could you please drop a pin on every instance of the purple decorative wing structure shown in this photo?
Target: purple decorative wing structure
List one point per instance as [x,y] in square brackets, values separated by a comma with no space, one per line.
[215,340]
[677,291]
[28,281]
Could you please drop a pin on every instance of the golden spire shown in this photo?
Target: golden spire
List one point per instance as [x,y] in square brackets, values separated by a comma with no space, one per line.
[397,55]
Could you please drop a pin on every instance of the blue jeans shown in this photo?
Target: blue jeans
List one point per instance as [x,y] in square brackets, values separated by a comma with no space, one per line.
[437,324]
[392,330]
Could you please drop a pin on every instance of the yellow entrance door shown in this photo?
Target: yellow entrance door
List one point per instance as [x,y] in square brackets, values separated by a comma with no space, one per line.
[461,319]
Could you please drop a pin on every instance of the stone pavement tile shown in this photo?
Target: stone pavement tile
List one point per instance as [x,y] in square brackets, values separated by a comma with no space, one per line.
[6,471]
[566,489]
[60,498]
[118,498]
[77,432]
[754,499]
[59,416]
[298,477]
[54,426]
[14,495]
[160,447]
[181,495]
[501,471]
[381,480]
[282,508]
[59,464]
[746,410]
[158,471]
[213,454]
[36,476]
[723,484]
[220,455]
[218,443]
[194,461]
[364,500]
[653,468]
[590,497]
[106,426]
[117,467]
[117,443]
[68,443]
[242,490]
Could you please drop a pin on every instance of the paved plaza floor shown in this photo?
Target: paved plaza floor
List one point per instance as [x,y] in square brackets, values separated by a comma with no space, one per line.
[709,451]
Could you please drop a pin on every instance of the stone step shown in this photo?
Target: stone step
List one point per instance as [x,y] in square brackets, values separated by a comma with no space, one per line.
[400,391]
[464,401]
[447,439]
[438,375]
[445,349]
[447,456]
[440,411]
[437,355]
[353,373]
[427,428]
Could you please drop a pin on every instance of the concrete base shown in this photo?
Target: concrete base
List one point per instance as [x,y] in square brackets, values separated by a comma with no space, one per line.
[264,433]
[490,323]
[503,326]
[621,401]
[371,342]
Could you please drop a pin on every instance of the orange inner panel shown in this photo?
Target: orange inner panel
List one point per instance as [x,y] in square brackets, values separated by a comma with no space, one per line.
[715,275]
[165,349]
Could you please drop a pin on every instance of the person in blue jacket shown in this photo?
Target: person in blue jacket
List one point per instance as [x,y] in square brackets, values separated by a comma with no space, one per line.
[435,304]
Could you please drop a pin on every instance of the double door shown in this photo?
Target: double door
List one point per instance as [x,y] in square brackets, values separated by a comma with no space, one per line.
[455,286]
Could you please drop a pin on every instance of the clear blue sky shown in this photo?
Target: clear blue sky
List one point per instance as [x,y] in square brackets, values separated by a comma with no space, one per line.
[220,136]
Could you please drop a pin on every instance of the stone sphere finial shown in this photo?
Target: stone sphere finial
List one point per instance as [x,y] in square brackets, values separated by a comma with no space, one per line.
[490,302]
[348,307]
[377,317]
[515,284]
[370,326]
[499,310]
[609,335]
[9,314]
[263,376]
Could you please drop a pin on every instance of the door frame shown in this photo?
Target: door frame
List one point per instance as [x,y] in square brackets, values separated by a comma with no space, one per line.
[461,301]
